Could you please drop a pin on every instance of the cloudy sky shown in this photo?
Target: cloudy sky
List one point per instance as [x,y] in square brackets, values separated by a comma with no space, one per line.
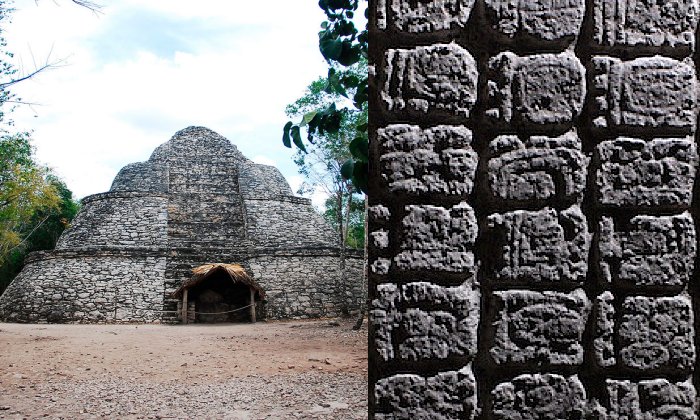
[139,71]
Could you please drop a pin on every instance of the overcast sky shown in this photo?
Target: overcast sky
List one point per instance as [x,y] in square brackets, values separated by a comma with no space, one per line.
[142,70]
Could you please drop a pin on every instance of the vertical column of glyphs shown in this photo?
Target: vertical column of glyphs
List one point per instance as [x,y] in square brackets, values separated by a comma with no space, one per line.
[536,241]
[643,116]
[425,302]
[550,144]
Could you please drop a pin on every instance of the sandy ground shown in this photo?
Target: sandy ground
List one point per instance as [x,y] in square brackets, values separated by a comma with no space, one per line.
[269,370]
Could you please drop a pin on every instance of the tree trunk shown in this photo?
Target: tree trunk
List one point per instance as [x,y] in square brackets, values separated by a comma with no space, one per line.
[365,279]
[341,244]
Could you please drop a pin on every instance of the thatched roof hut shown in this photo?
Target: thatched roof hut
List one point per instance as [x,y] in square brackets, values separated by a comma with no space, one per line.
[235,272]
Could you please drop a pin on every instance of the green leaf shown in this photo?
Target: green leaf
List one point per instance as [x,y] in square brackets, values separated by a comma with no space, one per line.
[324,24]
[360,176]
[285,136]
[296,138]
[307,118]
[359,148]
[362,127]
[331,48]
[347,169]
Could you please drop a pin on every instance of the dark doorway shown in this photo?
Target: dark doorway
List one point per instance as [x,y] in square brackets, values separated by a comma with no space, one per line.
[218,299]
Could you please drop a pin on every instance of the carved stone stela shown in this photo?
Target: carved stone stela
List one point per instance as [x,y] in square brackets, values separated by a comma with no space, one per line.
[532,215]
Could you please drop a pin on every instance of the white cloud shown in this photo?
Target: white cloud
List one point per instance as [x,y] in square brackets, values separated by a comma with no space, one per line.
[112,104]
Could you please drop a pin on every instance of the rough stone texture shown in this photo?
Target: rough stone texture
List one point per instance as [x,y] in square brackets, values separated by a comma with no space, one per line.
[427,79]
[651,400]
[642,173]
[306,286]
[645,23]
[447,395]
[197,200]
[142,176]
[539,327]
[535,20]
[436,160]
[125,219]
[95,288]
[426,16]
[544,246]
[421,321]
[538,170]
[536,89]
[650,92]
[437,238]
[585,129]
[604,330]
[651,251]
[656,333]
[539,396]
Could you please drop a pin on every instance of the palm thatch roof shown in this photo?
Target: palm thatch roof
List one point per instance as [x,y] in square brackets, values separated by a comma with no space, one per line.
[235,272]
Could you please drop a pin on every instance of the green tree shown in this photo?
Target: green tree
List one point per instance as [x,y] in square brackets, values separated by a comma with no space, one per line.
[25,190]
[342,45]
[41,232]
[321,163]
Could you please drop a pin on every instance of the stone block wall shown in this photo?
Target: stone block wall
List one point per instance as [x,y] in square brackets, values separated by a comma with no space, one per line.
[307,286]
[532,209]
[88,287]
[119,219]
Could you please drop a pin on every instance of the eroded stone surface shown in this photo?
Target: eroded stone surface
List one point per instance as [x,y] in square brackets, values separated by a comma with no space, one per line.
[539,327]
[422,321]
[445,396]
[537,246]
[439,77]
[541,20]
[605,330]
[656,333]
[651,400]
[539,396]
[657,251]
[436,160]
[437,238]
[648,23]
[429,16]
[535,89]
[537,170]
[637,173]
[651,92]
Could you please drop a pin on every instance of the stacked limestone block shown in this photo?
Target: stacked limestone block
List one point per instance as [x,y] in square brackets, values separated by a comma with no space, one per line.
[532,224]
[197,200]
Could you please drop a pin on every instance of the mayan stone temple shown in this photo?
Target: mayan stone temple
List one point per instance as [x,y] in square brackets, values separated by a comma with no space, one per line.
[196,204]
[533,209]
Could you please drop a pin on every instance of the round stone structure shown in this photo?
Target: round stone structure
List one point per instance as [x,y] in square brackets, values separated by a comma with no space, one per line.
[196,200]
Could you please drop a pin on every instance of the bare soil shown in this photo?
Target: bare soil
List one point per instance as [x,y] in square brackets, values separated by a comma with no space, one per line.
[268,370]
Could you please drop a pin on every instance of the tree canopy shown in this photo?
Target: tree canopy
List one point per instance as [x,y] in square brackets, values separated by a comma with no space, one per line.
[342,45]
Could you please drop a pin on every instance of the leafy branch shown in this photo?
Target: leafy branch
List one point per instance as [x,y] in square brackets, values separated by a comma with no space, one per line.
[341,44]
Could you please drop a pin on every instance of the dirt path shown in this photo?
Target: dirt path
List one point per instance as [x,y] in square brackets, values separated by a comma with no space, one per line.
[275,370]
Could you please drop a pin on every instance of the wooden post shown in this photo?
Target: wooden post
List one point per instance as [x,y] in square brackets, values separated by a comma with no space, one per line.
[252,305]
[184,306]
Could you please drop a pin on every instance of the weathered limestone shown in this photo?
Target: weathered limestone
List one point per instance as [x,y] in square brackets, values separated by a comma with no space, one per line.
[197,200]
[536,89]
[436,160]
[538,170]
[531,247]
[574,158]
[447,395]
[650,92]
[646,23]
[438,78]
[535,21]
[531,397]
